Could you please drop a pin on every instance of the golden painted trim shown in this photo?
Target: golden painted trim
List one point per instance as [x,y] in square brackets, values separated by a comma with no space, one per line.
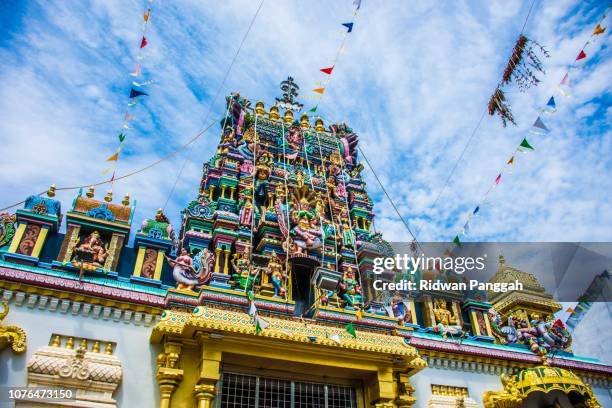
[139,261]
[40,241]
[17,238]
[159,264]
[13,336]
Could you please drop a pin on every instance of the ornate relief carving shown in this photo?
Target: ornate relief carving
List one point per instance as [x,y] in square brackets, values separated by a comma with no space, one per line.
[29,239]
[11,335]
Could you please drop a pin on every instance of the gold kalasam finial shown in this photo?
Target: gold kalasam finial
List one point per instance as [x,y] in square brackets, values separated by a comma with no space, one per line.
[57,341]
[259,108]
[304,122]
[70,343]
[126,200]
[288,118]
[319,125]
[274,113]
[90,192]
[51,191]
[83,344]
[96,347]
[109,196]
[109,349]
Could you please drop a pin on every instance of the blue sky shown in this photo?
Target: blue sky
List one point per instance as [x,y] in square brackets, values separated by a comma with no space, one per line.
[413,83]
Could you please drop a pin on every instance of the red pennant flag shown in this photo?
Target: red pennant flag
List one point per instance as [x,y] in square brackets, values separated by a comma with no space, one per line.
[327,71]
[582,55]
[144,42]
[498,179]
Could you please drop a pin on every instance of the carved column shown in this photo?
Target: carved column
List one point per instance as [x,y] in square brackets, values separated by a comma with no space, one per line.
[205,395]
[210,371]
[169,375]
[405,391]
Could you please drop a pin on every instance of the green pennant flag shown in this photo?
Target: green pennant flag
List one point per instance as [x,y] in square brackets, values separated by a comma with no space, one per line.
[351,330]
[456,240]
[314,109]
[525,144]
[121,137]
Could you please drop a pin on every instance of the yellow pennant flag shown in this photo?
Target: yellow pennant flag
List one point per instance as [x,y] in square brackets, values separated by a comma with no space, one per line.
[359,314]
[510,161]
[599,30]
[319,90]
[146,15]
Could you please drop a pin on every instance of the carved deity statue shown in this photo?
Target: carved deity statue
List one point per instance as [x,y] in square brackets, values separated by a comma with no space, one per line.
[306,232]
[277,275]
[348,236]
[443,315]
[184,272]
[349,289]
[245,205]
[92,250]
[244,273]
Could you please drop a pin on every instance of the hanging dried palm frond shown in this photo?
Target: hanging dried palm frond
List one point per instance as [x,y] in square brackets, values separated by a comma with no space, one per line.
[524,64]
[498,104]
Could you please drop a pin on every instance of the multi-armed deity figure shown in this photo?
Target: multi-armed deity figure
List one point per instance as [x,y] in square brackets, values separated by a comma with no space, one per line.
[350,290]
[92,250]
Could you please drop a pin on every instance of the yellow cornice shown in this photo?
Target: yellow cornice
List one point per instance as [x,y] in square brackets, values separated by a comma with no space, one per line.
[183,324]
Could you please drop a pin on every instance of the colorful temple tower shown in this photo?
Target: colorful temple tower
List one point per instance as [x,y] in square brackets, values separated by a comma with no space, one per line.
[264,297]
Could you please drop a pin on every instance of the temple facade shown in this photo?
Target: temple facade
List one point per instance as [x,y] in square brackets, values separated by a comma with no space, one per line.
[263,296]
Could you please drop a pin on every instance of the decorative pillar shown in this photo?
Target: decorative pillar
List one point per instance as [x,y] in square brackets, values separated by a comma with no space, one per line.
[17,238]
[159,264]
[169,375]
[40,240]
[204,394]
[226,257]
[217,259]
[139,261]
[210,373]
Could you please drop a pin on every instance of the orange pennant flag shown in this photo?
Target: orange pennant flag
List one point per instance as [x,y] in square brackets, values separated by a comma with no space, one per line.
[114,157]
[570,310]
[599,30]
[319,90]
[146,15]
[511,160]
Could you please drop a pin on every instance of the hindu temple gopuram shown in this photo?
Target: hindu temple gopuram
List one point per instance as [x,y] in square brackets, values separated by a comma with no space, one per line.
[262,296]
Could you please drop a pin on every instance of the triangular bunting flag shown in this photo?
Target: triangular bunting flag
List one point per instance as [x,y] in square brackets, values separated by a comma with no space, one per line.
[350,329]
[146,15]
[580,56]
[336,338]
[260,324]
[126,126]
[128,117]
[319,90]
[510,160]
[134,93]
[599,30]
[136,71]
[357,4]
[551,106]
[456,240]
[121,137]
[498,179]
[359,314]
[349,26]
[476,210]
[566,80]
[466,228]
[525,144]
[114,157]
[252,309]
[327,71]
[539,124]
[314,109]
[570,310]
[143,42]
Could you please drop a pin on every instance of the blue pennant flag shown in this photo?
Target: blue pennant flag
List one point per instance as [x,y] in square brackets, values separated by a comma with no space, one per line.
[476,210]
[134,93]
[551,106]
[349,26]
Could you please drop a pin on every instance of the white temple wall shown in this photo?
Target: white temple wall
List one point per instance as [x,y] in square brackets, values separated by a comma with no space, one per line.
[138,387]
[476,383]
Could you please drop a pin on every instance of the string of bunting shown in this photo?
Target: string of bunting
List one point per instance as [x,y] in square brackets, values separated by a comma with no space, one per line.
[538,128]
[135,96]
[324,83]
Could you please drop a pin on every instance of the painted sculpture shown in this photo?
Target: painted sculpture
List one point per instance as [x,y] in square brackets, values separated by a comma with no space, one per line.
[184,272]
[349,289]
[92,250]
[277,275]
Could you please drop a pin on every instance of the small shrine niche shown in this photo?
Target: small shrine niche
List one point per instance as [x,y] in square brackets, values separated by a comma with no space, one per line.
[153,242]
[40,216]
[96,233]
